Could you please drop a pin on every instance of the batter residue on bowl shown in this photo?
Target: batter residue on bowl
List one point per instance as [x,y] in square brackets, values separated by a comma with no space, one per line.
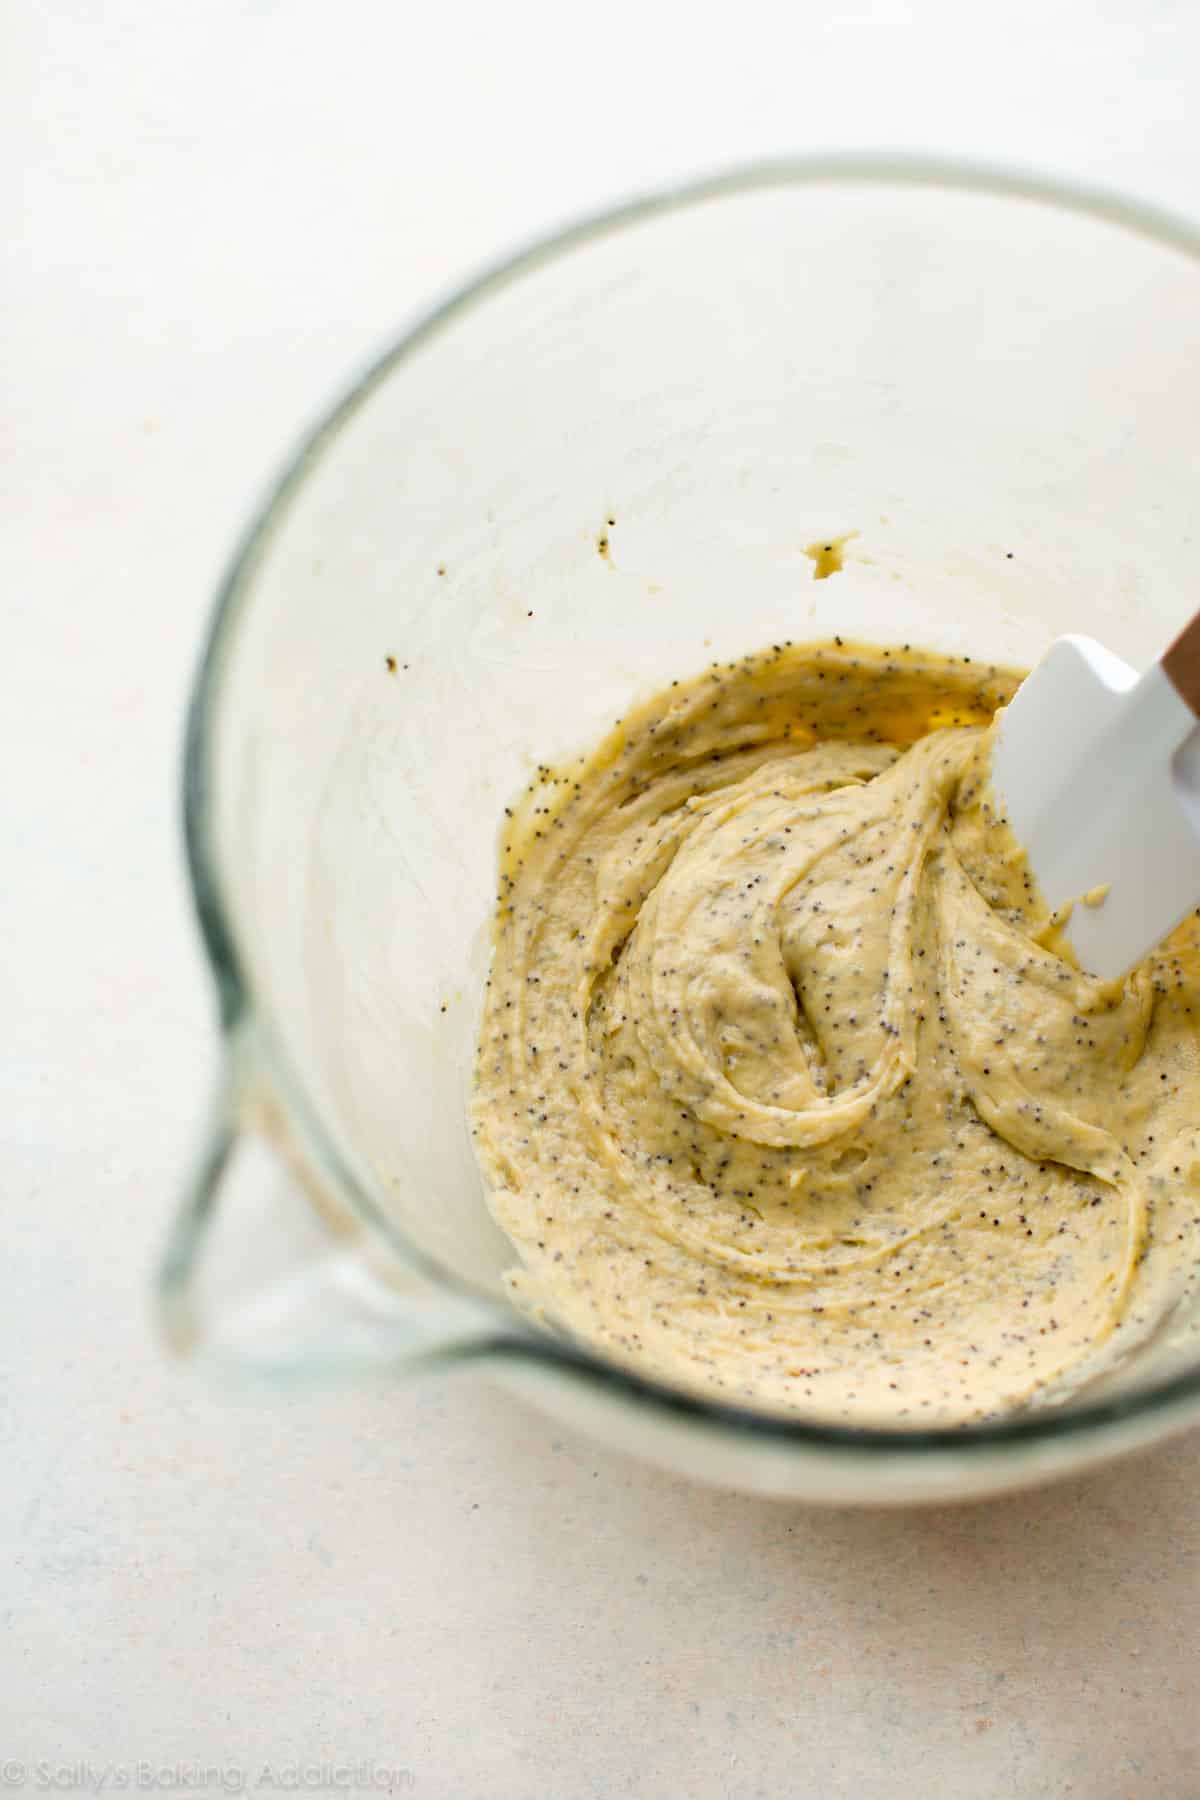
[781,1094]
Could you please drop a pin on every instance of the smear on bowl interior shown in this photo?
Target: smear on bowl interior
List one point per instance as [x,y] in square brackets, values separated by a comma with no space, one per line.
[783,1094]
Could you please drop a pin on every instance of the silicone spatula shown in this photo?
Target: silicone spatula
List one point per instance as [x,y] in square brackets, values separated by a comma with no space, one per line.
[1098,771]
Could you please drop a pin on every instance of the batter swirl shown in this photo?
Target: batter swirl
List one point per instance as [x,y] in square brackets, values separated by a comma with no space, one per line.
[782,1092]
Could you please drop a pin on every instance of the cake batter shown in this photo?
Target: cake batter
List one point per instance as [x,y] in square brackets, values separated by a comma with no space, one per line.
[783,1093]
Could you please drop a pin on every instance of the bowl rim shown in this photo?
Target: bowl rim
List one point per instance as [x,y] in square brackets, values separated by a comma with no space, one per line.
[237,1001]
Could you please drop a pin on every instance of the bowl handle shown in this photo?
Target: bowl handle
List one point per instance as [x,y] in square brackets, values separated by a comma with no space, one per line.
[265,1276]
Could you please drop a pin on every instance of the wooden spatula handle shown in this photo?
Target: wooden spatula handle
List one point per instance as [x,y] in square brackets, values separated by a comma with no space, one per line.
[1182,665]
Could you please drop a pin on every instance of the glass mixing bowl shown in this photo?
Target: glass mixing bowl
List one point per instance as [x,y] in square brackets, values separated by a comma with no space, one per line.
[597,469]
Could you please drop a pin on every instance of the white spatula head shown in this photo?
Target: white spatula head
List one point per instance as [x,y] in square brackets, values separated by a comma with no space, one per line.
[1098,773]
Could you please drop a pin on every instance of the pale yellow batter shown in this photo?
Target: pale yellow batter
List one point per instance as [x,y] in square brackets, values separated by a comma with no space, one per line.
[779,1095]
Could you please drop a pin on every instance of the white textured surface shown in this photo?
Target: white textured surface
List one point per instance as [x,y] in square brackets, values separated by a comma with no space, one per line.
[212,213]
